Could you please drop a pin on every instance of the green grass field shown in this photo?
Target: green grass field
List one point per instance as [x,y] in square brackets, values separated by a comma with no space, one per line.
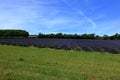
[23,63]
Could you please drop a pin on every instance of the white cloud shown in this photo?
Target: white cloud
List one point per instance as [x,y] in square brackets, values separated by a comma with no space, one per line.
[80,12]
[44,15]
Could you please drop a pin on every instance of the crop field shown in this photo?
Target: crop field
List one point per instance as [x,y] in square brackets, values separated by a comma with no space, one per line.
[30,63]
[111,46]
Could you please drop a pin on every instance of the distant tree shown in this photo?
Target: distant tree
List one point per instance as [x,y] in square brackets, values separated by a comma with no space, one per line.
[116,36]
[51,35]
[82,36]
[98,37]
[40,35]
[106,37]
[59,35]
[76,36]
[91,36]
[13,33]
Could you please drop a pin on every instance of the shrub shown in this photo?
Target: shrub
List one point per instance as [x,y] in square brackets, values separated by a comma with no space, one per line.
[100,50]
[78,48]
[87,49]
[114,51]
[21,59]
[67,47]
[57,47]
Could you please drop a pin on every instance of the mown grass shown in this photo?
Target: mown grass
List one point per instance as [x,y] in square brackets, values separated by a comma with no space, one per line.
[22,63]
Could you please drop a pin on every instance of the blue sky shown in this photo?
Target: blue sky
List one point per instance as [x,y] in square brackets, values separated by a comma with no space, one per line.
[66,16]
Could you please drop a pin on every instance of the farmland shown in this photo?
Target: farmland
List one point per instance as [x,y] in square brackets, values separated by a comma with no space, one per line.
[111,46]
[30,63]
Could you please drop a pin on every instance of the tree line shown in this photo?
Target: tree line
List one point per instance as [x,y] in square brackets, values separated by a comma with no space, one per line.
[25,34]
[82,36]
[13,33]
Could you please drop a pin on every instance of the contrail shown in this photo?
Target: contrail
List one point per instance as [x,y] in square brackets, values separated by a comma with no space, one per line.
[81,13]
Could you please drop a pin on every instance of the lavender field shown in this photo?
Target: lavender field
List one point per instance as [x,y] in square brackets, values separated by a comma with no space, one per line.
[112,46]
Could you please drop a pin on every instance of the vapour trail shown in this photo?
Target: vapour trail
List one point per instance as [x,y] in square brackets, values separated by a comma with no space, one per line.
[81,13]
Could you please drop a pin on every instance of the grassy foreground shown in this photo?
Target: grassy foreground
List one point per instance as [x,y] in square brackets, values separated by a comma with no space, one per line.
[22,63]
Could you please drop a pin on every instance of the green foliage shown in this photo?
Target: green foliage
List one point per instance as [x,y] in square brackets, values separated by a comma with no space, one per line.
[115,36]
[101,50]
[67,47]
[77,48]
[22,33]
[88,36]
[87,49]
[106,37]
[21,59]
[114,51]
[13,33]
[70,36]
[82,36]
